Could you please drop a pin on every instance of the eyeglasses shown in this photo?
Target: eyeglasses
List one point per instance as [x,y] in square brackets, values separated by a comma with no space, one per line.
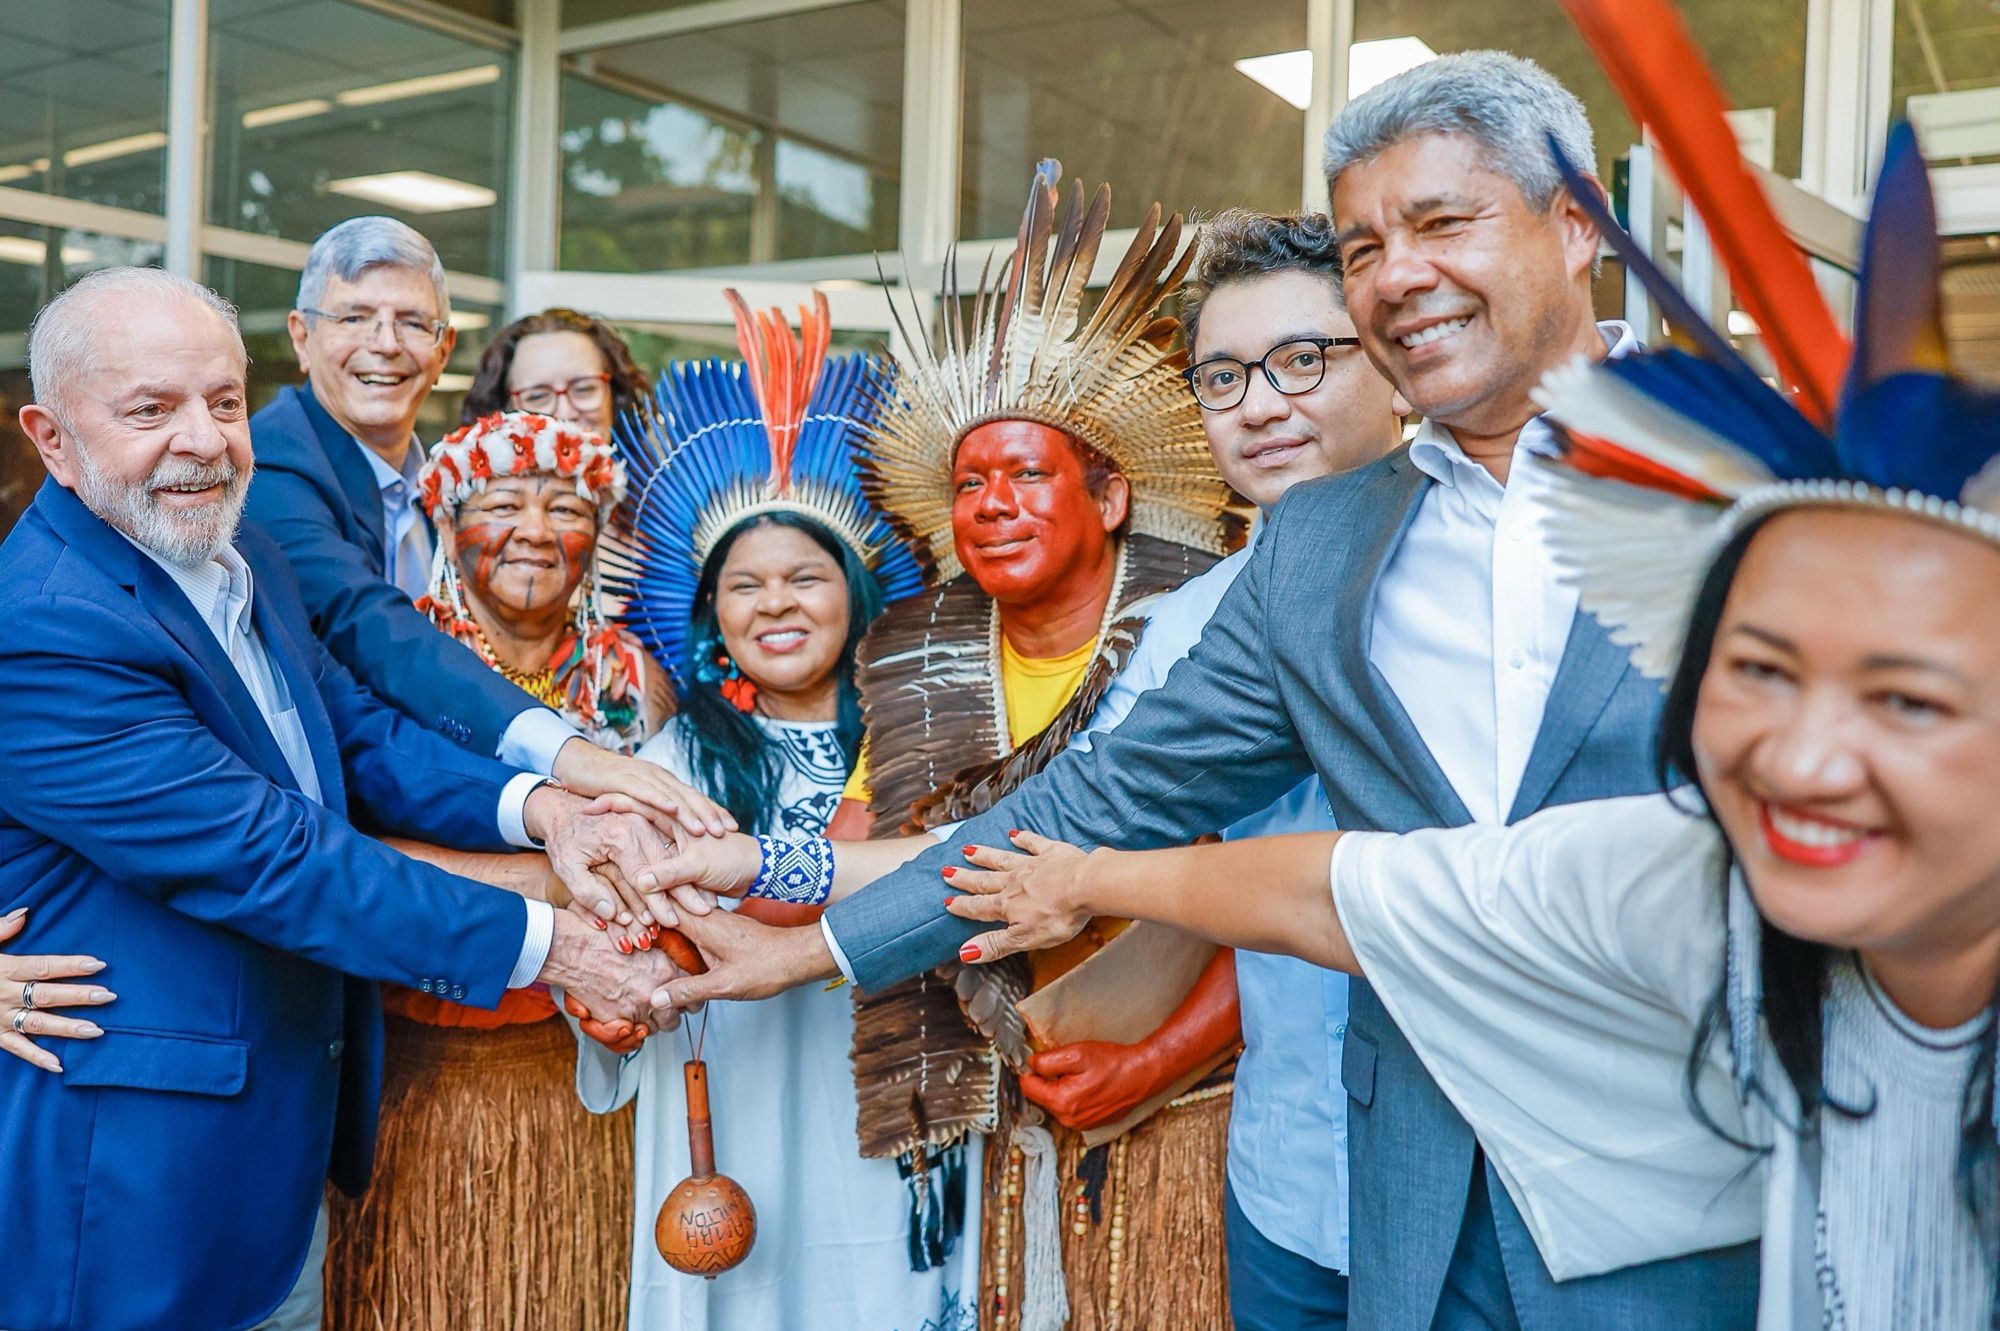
[585,394]
[1294,367]
[412,334]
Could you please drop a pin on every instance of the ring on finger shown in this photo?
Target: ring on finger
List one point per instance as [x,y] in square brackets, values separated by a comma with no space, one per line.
[20,1022]
[28,995]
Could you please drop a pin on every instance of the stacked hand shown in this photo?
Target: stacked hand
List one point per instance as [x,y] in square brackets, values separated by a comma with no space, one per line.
[590,771]
[31,986]
[1033,893]
[614,988]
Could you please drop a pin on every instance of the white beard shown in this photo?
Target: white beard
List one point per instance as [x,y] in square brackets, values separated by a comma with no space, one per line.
[186,539]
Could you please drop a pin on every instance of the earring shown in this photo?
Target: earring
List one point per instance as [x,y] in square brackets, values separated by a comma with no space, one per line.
[714,665]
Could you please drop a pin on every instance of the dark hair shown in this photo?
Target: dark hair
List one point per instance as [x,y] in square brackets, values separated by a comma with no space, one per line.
[630,389]
[1795,970]
[730,757]
[1240,243]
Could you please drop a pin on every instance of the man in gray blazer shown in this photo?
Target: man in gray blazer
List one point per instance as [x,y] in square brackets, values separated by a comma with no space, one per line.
[1400,630]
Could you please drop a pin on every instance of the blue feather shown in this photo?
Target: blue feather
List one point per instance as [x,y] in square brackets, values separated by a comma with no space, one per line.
[708,439]
[1750,414]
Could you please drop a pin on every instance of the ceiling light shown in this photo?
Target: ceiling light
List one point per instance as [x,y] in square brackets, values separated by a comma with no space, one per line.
[416,191]
[279,114]
[470,321]
[1370,63]
[419,87]
[110,148]
[1289,74]
[22,170]
[35,253]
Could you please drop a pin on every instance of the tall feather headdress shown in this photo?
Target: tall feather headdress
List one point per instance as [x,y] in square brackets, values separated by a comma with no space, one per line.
[1022,351]
[773,433]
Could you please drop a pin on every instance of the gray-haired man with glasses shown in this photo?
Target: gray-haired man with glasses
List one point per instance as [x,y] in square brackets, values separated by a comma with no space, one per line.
[337,460]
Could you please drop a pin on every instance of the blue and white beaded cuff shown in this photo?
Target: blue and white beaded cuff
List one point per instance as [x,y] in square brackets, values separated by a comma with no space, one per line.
[795,871]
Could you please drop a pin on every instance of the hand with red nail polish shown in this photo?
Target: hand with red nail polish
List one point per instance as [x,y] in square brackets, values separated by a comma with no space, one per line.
[1034,894]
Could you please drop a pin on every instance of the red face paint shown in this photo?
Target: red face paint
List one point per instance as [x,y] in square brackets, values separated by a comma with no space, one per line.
[479,547]
[1022,518]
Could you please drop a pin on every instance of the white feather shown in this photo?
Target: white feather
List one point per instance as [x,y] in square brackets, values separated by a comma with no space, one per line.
[1636,557]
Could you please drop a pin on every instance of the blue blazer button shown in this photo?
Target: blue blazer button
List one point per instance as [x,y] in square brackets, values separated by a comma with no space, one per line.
[458,992]
[336,1048]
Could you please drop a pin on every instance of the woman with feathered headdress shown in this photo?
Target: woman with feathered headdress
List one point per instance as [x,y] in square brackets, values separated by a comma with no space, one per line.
[760,566]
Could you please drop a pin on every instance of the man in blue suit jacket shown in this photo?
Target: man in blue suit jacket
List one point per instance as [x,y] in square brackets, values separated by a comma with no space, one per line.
[178,760]
[337,460]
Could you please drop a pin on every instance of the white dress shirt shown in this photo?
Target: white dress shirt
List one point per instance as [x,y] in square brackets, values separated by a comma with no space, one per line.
[220,590]
[534,735]
[1470,617]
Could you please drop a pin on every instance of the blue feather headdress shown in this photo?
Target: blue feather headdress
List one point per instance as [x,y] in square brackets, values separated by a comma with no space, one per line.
[1670,453]
[727,441]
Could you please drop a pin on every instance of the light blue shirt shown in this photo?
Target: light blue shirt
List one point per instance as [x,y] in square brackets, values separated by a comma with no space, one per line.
[406,544]
[1288,1124]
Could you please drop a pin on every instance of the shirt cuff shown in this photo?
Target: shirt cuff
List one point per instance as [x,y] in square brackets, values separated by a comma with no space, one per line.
[532,738]
[535,946]
[833,946]
[514,809]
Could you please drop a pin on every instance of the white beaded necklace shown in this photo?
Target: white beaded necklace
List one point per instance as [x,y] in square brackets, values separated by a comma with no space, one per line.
[1001,740]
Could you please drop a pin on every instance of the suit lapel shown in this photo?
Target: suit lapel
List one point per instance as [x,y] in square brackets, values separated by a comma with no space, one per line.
[240,725]
[356,477]
[1591,668]
[1389,506]
[166,602]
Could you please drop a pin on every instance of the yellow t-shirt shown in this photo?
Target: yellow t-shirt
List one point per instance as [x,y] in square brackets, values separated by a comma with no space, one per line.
[1035,687]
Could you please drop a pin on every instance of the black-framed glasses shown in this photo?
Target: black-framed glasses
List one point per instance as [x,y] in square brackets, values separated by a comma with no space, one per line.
[1293,367]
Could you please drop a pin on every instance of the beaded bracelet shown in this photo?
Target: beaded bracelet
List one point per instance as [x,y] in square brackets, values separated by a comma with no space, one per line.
[795,871]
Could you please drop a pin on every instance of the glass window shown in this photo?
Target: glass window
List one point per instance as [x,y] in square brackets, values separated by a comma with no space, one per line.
[654,344]
[1153,96]
[493,11]
[325,111]
[1756,48]
[778,139]
[83,101]
[578,12]
[36,263]
[1947,78]
[263,296]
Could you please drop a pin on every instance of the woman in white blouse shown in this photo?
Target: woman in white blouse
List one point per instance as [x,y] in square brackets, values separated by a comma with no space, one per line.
[1564,978]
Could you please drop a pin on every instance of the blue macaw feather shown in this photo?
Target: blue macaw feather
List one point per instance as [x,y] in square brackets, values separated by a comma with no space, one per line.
[1898,319]
[1906,421]
[706,440]
[1679,312]
[1747,412]
[1919,431]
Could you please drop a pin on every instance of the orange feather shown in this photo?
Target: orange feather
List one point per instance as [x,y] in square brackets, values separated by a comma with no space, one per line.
[1660,73]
